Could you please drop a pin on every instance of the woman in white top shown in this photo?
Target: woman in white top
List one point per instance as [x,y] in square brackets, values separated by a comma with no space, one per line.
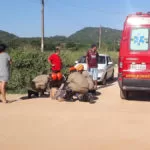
[5,62]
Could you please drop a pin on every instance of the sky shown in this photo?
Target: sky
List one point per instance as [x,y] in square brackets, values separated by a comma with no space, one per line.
[65,17]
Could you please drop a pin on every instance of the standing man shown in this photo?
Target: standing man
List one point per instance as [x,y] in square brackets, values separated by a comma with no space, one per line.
[92,63]
[5,62]
[55,61]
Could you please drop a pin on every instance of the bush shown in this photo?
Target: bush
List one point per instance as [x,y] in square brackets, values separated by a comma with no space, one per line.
[28,64]
[113,54]
[25,66]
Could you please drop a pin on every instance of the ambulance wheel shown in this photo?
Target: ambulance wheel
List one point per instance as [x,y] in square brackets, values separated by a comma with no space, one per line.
[124,94]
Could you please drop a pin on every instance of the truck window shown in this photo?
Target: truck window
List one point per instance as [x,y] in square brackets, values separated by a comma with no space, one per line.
[82,59]
[139,39]
[109,59]
[101,60]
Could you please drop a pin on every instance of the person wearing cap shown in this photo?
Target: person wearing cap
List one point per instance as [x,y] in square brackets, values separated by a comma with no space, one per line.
[92,63]
[80,69]
[60,96]
[5,62]
[77,82]
[72,69]
[55,61]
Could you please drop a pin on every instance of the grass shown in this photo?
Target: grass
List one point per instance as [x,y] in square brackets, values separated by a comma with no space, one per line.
[69,57]
[28,64]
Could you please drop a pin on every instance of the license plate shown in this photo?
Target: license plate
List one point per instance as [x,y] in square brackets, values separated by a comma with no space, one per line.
[139,67]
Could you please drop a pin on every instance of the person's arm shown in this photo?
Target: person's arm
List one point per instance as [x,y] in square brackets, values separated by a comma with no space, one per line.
[10,61]
[70,78]
[87,62]
[97,56]
[50,60]
[61,63]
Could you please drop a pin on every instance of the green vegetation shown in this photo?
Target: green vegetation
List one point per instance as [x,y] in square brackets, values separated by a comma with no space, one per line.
[28,61]
[81,39]
[27,65]
[90,35]
[5,36]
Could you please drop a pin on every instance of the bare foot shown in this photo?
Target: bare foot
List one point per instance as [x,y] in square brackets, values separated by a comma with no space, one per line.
[5,101]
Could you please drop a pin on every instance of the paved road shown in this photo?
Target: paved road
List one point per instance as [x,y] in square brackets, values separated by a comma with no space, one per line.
[109,124]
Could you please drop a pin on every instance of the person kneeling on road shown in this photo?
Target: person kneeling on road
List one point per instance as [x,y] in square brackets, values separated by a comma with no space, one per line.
[80,69]
[77,83]
[38,85]
[76,86]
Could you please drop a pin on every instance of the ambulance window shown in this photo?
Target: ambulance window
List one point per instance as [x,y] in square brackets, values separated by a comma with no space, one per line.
[139,39]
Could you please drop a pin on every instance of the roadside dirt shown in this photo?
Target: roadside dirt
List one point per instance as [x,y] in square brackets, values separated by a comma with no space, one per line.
[109,124]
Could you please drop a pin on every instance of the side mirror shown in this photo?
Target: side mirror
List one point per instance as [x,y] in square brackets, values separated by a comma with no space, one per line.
[110,63]
[76,62]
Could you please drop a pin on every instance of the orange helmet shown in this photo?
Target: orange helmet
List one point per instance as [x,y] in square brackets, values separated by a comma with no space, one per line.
[59,76]
[72,69]
[80,67]
[54,76]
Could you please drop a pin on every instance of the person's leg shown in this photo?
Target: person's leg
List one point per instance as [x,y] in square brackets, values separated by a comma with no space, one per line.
[3,91]
[95,76]
[91,72]
[95,84]
[0,88]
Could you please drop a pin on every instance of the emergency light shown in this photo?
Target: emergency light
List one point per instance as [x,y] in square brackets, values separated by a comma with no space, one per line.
[139,13]
[138,20]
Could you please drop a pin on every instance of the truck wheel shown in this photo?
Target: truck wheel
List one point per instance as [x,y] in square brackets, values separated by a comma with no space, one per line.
[104,80]
[112,76]
[124,94]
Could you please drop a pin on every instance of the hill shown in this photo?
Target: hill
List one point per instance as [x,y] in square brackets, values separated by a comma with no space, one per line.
[5,36]
[85,36]
[90,35]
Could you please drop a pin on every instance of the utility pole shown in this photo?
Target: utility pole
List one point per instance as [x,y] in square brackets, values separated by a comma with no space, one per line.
[114,45]
[42,26]
[99,37]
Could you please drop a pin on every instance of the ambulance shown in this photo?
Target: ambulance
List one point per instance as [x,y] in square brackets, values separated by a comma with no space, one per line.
[134,55]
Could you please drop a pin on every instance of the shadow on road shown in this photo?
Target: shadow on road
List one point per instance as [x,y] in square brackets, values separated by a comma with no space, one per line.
[9,101]
[12,101]
[98,93]
[109,83]
[139,96]
[94,98]
[34,97]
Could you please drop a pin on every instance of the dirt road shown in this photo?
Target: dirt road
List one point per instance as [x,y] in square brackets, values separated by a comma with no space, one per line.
[44,124]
